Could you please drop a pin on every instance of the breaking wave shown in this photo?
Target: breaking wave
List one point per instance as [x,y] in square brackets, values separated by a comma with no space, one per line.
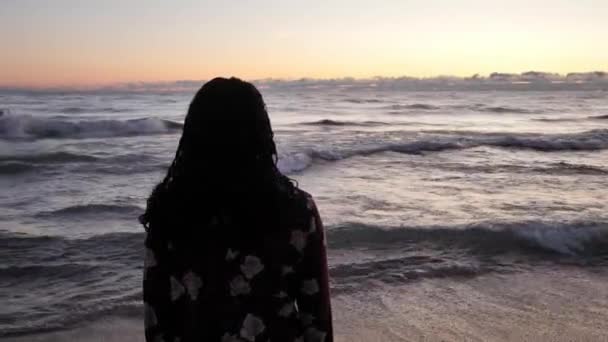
[97,274]
[29,127]
[572,239]
[92,209]
[585,141]
[301,160]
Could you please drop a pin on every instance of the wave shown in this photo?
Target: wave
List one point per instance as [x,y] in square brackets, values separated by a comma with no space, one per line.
[572,239]
[419,106]
[560,168]
[13,168]
[585,141]
[572,119]
[534,238]
[56,270]
[28,127]
[351,100]
[97,275]
[503,109]
[398,108]
[354,277]
[409,252]
[82,163]
[599,117]
[92,209]
[297,161]
[568,168]
[81,110]
[558,119]
[48,158]
[328,122]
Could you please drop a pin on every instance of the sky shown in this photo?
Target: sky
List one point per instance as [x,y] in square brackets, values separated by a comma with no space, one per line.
[95,42]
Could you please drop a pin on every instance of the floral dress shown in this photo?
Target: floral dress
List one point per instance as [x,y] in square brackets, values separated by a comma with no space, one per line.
[271,288]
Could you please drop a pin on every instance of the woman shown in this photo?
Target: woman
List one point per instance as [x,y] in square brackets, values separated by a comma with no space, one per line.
[234,251]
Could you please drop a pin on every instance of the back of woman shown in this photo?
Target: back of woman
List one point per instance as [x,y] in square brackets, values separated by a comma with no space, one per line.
[234,251]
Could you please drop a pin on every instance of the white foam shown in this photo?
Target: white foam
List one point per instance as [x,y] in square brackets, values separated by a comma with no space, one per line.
[295,162]
[564,239]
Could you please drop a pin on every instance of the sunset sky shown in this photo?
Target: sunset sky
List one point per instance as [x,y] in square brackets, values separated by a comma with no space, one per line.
[77,42]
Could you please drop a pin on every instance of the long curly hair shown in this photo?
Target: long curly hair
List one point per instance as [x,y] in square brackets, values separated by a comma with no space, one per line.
[225,162]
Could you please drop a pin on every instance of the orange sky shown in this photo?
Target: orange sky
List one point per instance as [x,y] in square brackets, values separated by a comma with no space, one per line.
[68,42]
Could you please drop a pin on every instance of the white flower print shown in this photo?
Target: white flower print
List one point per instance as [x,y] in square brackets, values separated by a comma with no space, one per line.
[230,338]
[251,266]
[298,240]
[193,284]
[310,287]
[310,203]
[313,224]
[231,254]
[149,316]
[286,270]
[314,335]
[252,327]
[286,310]
[239,286]
[281,294]
[150,260]
[177,289]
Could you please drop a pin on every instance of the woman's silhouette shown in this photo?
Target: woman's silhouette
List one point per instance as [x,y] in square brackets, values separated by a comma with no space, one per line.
[234,251]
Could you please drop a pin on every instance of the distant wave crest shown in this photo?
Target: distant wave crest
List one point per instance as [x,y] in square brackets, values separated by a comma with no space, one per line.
[409,108]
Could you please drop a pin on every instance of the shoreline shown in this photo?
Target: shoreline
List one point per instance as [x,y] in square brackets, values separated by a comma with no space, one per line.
[558,305]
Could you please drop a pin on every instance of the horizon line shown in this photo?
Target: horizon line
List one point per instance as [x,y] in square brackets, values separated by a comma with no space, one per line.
[498,77]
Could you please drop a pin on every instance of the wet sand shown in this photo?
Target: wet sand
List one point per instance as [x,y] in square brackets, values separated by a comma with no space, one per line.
[552,304]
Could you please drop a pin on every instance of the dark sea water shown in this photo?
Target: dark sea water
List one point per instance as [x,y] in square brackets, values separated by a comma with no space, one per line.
[443,208]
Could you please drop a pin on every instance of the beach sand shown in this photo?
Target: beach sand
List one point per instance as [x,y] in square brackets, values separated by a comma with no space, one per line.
[542,306]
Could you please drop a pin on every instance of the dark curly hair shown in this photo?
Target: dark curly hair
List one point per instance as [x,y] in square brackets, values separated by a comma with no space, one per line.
[225,161]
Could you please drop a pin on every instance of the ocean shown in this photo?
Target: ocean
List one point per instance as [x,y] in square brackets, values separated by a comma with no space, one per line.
[452,215]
